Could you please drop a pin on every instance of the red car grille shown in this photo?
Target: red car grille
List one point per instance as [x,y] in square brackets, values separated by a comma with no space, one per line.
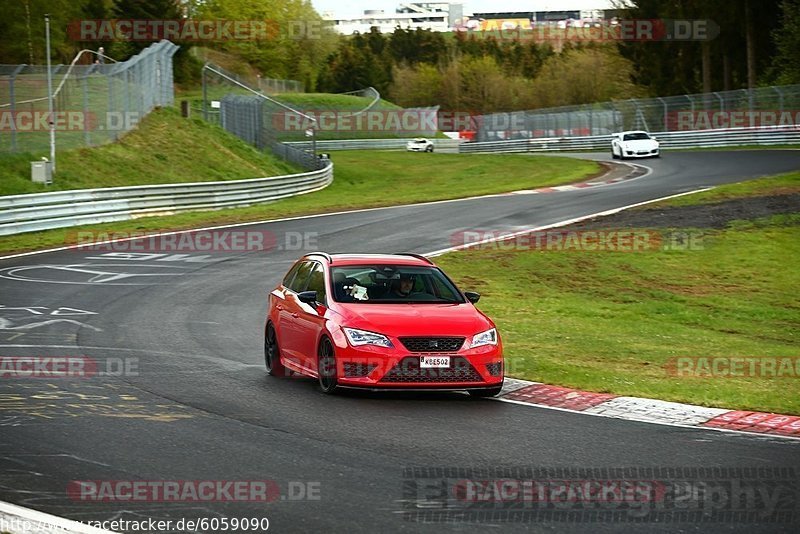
[432,344]
[408,370]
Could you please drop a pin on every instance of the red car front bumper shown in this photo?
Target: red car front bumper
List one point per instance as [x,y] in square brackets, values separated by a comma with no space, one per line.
[398,368]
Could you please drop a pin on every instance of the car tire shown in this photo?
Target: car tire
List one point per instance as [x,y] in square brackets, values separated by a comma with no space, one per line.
[486,392]
[326,367]
[613,154]
[272,352]
[429,149]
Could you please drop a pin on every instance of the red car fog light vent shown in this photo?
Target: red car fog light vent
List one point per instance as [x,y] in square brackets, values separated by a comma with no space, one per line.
[358,370]
[495,369]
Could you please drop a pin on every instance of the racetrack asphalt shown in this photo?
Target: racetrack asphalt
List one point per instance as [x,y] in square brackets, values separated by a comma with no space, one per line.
[199,406]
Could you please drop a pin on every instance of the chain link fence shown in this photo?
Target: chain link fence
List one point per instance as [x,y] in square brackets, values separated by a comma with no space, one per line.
[248,113]
[764,106]
[274,86]
[218,83]
[94,103]
[270,122]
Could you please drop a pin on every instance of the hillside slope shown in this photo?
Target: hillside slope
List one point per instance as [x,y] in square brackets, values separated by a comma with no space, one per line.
[164,148]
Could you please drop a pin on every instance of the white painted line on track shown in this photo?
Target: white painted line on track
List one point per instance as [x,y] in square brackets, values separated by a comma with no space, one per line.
[567,222]
[302,217]
[19,520]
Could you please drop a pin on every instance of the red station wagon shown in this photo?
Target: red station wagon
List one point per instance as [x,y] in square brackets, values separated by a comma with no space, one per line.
[380,322]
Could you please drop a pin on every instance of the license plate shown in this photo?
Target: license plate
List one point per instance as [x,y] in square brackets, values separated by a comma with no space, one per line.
[434,362]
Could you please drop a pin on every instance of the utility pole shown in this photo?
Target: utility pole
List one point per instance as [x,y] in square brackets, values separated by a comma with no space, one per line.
[50,97]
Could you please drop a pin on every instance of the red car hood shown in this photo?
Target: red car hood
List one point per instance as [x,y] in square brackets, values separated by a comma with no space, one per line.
[416,319]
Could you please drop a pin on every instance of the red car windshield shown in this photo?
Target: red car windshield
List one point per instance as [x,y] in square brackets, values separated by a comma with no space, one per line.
[383,284]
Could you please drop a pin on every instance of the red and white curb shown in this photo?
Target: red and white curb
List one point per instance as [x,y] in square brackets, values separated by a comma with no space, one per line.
[18,520]
[648,410]
[637,171]
[634,408]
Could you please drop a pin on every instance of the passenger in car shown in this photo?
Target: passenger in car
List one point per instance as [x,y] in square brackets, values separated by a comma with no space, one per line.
[343,287]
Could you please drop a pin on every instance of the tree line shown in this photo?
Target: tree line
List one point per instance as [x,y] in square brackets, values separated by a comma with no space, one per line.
[287,51]
[758,44]
[481,74]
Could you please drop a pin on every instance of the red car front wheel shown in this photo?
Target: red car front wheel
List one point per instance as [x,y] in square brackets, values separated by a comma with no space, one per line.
[326,366]
[272,353]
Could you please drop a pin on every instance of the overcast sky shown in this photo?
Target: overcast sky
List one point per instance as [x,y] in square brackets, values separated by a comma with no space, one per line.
[345,8]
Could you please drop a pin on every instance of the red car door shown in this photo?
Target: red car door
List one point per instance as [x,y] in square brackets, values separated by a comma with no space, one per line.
[311,319]
[289,331]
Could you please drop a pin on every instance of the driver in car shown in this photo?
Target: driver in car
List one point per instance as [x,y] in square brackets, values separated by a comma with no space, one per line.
[402,288]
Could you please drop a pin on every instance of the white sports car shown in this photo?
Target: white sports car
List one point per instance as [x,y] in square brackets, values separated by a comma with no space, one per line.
[420,144]
[634,144]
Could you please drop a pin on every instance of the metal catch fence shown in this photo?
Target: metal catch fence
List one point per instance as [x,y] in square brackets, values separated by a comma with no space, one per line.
[756,108]
[94,103]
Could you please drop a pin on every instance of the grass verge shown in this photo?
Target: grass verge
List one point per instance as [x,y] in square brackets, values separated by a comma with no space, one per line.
[613,321]
[329,101]
[782,184]
[363,179]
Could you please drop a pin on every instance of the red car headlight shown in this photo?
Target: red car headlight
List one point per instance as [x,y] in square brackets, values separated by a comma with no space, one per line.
[484,338]
[358,337]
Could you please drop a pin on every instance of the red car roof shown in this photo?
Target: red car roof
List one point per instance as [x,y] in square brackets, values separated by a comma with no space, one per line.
[375,259]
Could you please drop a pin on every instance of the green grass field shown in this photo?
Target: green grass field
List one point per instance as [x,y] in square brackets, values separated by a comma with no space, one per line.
[365,179]
[612,321]
[325,101]
[165,148]
[770,185]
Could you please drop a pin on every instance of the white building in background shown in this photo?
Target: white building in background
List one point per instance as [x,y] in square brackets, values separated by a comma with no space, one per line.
[439,16]
[448,15]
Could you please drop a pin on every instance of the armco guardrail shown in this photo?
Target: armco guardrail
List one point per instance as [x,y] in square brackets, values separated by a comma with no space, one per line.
[62,209]
[777,135]
[443,145]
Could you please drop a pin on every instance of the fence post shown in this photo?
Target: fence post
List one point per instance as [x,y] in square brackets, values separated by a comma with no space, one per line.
[721,102]
[127,94]
[85,84]
[205,93]
[11,78]
[110,78]
[780,98]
